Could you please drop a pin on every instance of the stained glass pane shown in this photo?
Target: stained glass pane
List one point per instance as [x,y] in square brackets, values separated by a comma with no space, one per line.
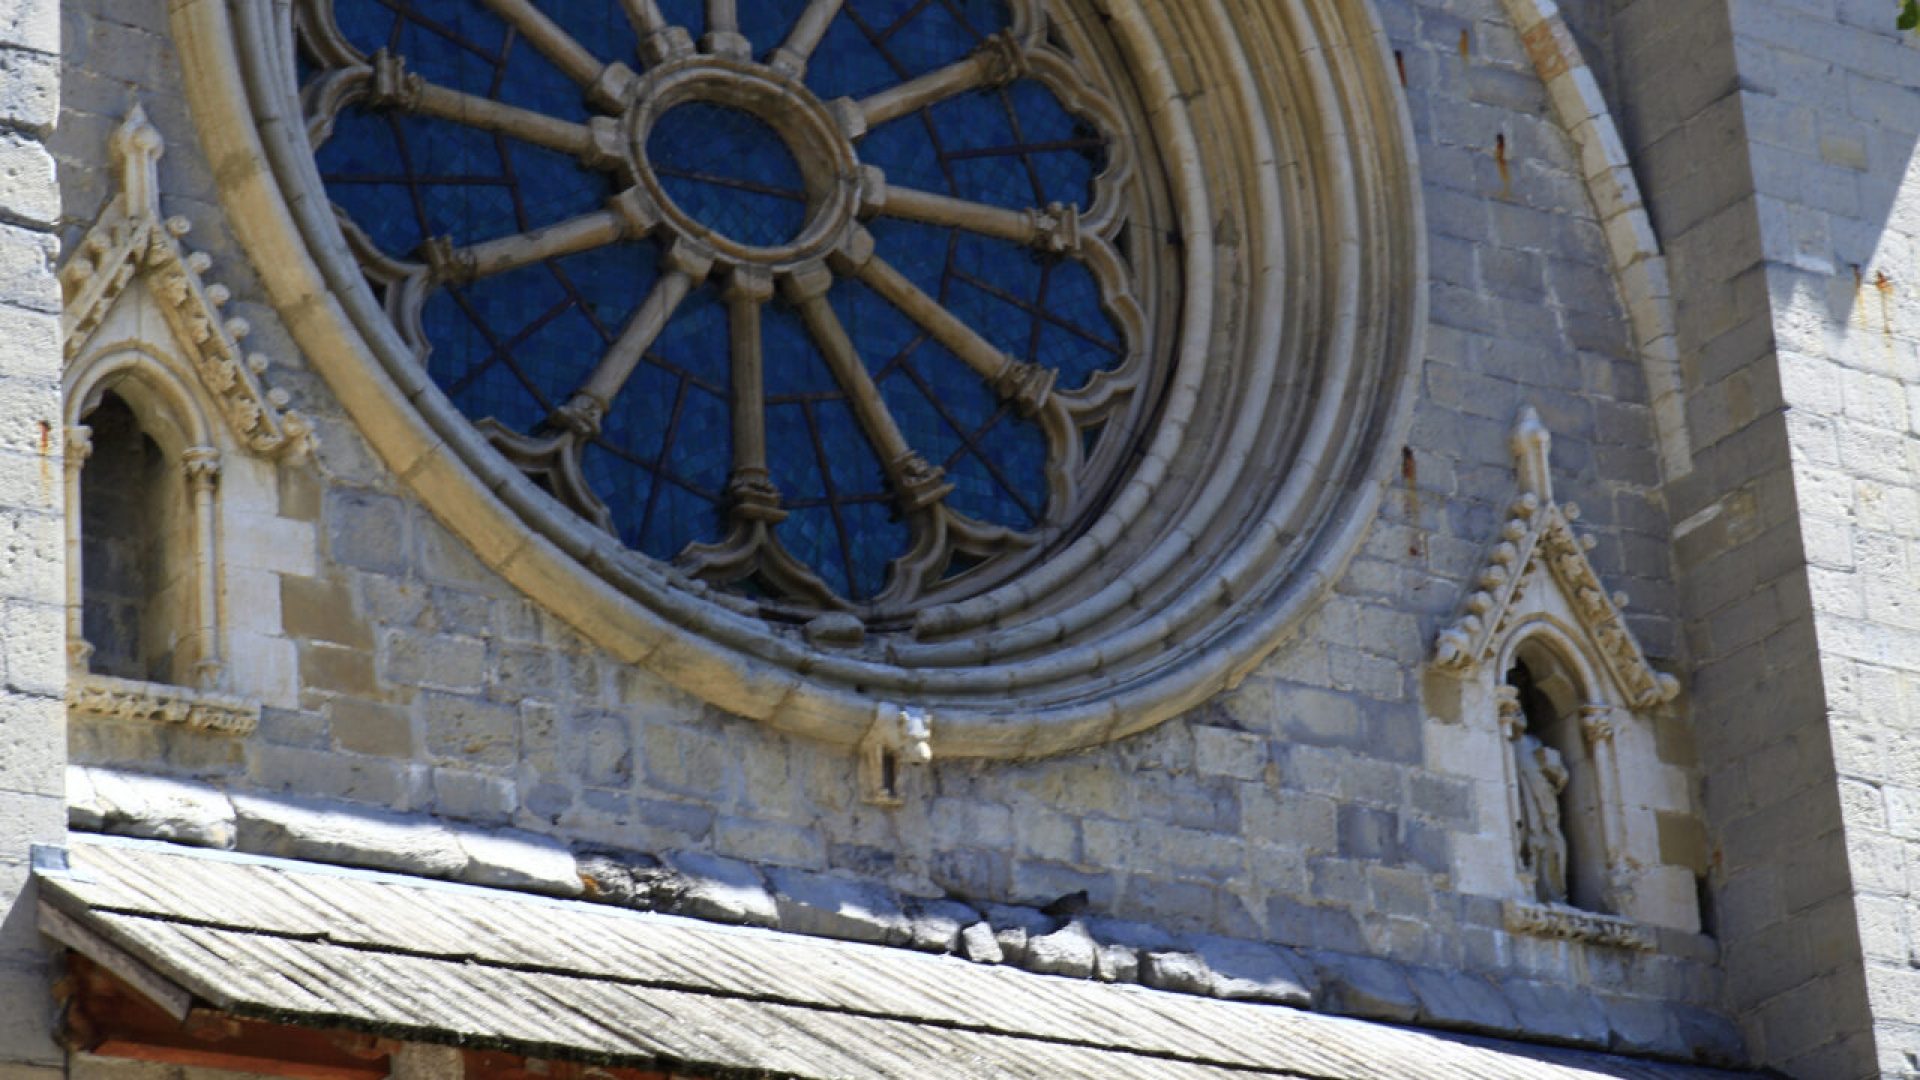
[729,170]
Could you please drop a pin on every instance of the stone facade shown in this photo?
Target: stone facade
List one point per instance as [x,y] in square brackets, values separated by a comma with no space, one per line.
[1708,305]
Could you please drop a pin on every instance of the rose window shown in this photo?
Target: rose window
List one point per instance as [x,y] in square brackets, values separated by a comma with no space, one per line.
[831,304]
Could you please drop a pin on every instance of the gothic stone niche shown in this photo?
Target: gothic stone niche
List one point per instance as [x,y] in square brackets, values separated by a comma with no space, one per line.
[1542,697]
[159,390]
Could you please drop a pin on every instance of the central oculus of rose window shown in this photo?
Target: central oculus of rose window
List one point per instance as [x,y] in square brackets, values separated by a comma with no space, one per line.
[825,306]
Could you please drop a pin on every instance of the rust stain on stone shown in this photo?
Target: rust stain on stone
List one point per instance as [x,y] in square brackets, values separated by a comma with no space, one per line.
[1500,162]
[1544,51]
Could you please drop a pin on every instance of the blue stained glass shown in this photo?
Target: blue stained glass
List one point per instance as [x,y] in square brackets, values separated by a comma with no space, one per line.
[791,457]
[880,332]
[792,362]
[702,450]
[876,537]
[852,468]
[730,171]
[612,281]
[532,82]
[916,250]
[695,341]
[904,149]
[626,488]
[637,423]
[514,345]
[972,121]
[677,518]
[849,64]
[923,37]
[765,23]
[815,531]
[691,14]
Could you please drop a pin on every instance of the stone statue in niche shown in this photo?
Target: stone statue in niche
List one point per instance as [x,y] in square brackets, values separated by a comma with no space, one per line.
[1541,776]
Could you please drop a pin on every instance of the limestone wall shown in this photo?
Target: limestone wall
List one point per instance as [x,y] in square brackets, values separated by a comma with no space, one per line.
[32,662]
[1301,808]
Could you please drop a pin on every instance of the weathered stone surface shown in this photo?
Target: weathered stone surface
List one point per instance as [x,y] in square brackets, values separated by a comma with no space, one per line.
[515,859]
[327,831]
[1365,986]
[1116,963]
[827,905]
[1563,1012]
[937,924]
[1456,999]
[978,944]
[1251,971]
[620,878]
[1643,1026]
[157,807]
[1067,951]
[1179,972]
[711,887]
[1135,935]
[1011,942]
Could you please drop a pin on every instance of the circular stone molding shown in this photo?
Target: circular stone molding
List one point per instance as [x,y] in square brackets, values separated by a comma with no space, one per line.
[828,167]
[1287,358]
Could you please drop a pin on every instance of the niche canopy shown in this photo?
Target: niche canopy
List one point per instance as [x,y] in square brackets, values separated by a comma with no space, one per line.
[823,354]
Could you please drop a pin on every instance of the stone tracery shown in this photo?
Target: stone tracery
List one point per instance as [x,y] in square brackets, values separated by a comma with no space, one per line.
[740,179]
[1280,203]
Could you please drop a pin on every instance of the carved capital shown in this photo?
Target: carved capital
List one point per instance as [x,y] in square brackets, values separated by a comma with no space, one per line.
[1056,229]
[79,443]
[1001,59]
[921,483]
[1597,724]
[392,85]
[448,262]
[1026,385]
[1513,720]
[201,465]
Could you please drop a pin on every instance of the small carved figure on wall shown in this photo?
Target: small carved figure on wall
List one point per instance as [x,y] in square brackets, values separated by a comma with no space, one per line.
[1543,845]
[1542,777]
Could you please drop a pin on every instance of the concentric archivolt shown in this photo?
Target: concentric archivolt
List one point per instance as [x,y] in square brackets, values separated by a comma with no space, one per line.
[1277,375]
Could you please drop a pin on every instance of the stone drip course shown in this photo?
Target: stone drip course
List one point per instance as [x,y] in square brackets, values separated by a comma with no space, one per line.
[1062,938]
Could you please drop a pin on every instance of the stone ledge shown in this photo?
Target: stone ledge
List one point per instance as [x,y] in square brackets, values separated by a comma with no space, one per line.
[702,885]
[1573,924]
[104,697]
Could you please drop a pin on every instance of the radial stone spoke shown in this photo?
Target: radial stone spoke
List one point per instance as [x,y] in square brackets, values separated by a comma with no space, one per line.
[606,84]
[918,483]
[395,87]
[1055,228]
[457,265]
[1028,385]
[684,270]
[792,55]
[998,61]
[747,291]
[645,16]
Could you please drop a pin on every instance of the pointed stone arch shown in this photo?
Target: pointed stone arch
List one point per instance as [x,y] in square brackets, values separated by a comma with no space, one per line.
[144,328]
[1540,674]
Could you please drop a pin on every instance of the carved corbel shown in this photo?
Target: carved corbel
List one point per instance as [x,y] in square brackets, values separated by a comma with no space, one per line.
[900,735]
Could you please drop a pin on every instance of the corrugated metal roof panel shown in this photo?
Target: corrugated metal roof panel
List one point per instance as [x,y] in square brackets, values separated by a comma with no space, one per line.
[432,961]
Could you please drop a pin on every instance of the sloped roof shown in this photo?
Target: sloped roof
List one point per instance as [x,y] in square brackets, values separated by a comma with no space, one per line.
[429,961]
